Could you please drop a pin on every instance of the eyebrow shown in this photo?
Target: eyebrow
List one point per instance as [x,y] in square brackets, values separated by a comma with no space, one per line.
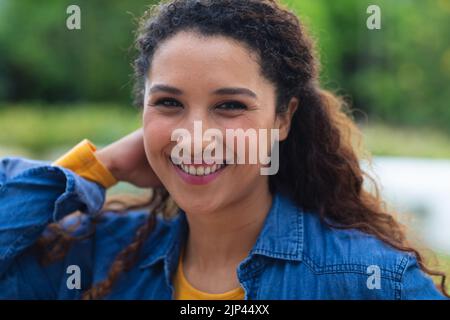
[221,91]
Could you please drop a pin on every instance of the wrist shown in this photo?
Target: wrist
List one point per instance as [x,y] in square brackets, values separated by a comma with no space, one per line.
[104,157]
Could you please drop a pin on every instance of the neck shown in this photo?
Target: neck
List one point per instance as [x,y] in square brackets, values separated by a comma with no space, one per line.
[225,237]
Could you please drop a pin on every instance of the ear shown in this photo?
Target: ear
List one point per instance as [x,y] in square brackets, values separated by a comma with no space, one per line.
[283,120]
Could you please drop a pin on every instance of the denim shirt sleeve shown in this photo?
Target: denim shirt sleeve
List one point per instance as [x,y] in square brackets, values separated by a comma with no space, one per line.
[32,195]
[416,285]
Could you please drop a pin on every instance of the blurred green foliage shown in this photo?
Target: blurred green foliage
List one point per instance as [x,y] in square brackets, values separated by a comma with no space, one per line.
[40,59]
[39,129]
[398,75]
[422,142]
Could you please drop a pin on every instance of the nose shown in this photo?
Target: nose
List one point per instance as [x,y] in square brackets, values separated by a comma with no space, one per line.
[202,135]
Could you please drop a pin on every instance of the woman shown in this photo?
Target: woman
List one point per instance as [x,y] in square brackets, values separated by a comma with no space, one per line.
[309,231]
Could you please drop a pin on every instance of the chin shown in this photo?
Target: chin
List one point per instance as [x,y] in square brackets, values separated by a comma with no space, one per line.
[198,204]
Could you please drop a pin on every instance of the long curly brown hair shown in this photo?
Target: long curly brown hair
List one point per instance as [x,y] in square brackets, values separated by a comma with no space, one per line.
[319,161]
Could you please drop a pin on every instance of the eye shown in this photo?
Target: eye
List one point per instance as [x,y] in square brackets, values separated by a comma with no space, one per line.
[232,106]
[166,102]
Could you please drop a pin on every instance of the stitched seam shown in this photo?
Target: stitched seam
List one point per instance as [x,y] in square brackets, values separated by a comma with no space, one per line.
[360,269]
[401,272]
[251,273]
[36,169]
[275,252]
[299,230]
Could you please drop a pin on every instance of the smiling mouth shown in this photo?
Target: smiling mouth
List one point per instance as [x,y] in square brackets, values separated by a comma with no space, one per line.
[199,170]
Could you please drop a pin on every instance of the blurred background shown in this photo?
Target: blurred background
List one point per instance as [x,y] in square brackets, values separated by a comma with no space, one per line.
[58,86]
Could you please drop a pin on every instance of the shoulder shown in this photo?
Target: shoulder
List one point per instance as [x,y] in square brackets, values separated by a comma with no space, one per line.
[364,263]
[331,249]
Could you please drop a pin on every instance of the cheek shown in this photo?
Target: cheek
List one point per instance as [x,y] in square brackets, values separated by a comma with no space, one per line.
[262,125]
[157,134]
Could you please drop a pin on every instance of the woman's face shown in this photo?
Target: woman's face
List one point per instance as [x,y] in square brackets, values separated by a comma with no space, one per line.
[196,68]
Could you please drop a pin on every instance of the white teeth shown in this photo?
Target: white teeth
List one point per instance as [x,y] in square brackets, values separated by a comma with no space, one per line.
[200,170]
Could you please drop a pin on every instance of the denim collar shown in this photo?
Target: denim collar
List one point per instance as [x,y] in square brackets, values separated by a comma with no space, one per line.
[281,236]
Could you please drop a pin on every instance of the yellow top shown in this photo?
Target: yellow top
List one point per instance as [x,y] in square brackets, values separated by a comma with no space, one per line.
[185,291]
[81,159]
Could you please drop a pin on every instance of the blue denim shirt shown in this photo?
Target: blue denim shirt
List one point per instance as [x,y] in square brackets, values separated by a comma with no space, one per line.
[294,257]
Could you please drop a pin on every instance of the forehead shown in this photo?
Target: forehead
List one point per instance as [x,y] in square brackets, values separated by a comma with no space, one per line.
[212,60]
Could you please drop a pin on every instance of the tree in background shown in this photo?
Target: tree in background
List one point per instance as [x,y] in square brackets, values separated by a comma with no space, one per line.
[399,74]
[40,59]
